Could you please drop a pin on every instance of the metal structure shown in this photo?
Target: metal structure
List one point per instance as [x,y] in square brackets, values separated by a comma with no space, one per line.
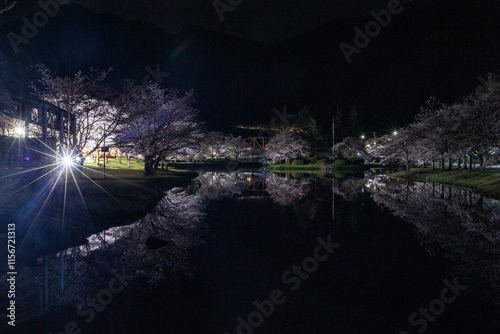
[258,142]
[35,111]
[41,128]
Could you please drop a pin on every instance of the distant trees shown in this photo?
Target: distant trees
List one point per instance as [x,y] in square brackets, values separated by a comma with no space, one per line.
[157,123]
[352,148]
[310,131]
[216,145]
[235,147]
[286,145]
[400,148]
[464,133]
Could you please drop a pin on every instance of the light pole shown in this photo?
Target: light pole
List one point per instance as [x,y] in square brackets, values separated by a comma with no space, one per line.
[104,150]
[333,139]
[333,159]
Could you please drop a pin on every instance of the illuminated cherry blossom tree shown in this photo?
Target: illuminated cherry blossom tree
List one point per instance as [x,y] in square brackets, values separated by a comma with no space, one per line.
[286,145]
[157,123]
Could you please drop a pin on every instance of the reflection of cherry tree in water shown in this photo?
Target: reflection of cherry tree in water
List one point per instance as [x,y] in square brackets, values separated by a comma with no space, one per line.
[219,185]
[462,227]
[285,191]
[349,188]
[153,249]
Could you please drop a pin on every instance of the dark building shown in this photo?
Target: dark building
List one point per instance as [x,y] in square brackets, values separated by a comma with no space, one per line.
[32,129]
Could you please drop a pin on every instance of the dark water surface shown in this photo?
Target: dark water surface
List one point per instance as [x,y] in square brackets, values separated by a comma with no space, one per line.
[248,252]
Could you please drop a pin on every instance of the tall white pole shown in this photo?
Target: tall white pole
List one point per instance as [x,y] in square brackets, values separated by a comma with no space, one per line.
[333,159]
[333,139]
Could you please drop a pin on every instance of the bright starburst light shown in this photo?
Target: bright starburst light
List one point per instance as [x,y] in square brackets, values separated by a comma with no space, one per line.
[52,187]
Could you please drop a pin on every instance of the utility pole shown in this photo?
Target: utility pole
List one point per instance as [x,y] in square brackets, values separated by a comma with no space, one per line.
[333,159]
[333,139]
[104,150]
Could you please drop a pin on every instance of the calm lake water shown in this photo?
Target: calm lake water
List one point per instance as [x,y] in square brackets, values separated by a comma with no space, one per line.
[252,252]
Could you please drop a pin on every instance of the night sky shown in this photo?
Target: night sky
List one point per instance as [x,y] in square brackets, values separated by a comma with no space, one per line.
[272,54]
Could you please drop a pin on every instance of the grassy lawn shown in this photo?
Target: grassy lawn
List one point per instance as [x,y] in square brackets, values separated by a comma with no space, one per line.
[114,164]
[135,171]
[122,197]
[486,182]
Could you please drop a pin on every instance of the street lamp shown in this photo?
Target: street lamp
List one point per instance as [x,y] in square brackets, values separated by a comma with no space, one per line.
[395,133]
[363,137]
[19,131]
[67,161]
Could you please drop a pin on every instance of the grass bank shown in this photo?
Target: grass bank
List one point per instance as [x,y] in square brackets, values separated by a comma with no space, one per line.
[485,182]
[54,211]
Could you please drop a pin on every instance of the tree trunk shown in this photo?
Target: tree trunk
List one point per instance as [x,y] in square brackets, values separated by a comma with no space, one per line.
[433,164]
[147,165]
[459,163]
[450,164]
[470,162]
[442,163]
[465,161]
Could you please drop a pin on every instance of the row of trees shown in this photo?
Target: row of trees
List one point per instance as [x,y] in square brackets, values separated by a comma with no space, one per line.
[464,133]
[155,123]
[300,139]
[148,121]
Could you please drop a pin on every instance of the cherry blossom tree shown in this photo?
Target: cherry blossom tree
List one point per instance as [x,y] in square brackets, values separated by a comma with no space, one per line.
[212,145]
[286,145]
[158,123]
[85,95]
[235,147]
[352,148]
[400,148]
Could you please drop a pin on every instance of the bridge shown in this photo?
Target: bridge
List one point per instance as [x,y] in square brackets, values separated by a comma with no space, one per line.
[258,142]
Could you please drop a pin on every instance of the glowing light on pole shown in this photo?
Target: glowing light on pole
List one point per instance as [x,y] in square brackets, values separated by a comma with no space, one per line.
[19,131]
[67,161]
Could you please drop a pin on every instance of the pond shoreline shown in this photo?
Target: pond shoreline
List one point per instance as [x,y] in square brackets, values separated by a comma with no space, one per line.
[483,182]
